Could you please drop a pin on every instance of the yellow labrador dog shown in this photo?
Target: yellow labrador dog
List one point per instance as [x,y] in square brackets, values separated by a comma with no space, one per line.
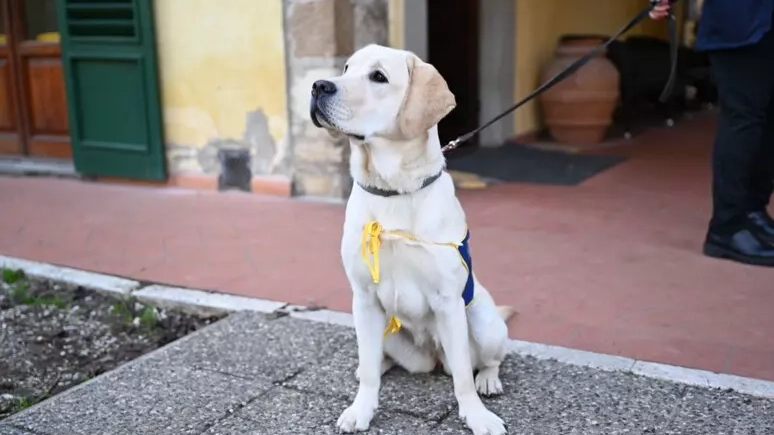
[405,247]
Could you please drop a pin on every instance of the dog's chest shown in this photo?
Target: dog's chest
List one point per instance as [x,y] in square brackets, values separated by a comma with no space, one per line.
[409,280]
[413,277]
[409,267]
[419,267]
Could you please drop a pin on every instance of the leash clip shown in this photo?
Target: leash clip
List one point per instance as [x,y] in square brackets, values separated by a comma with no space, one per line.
[451,145]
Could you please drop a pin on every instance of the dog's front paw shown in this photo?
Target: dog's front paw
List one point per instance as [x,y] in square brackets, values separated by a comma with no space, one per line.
[488,382]
[356,418]
[481,420]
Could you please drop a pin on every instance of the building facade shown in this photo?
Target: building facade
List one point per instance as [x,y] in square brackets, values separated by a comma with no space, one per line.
[214,94]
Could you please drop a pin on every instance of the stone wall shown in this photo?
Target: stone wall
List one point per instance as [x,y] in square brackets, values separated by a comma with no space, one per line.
[320,36]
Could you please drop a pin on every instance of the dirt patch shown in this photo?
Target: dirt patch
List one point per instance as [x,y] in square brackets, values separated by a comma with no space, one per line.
[55,337]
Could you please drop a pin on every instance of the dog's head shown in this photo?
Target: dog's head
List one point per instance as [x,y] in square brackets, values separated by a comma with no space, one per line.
[383,92]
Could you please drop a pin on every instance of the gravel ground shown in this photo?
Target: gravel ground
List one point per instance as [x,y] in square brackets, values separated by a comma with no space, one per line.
[55,337]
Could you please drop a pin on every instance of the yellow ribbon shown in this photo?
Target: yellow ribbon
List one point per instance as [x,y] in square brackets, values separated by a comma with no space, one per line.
[393,326]
[370,243]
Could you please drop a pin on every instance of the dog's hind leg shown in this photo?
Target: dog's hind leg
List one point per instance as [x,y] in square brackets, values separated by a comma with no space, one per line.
[488,329]
[491,353]
[406,354]
[488,381]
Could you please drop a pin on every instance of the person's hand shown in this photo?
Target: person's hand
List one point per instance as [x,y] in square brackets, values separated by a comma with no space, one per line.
[660,11]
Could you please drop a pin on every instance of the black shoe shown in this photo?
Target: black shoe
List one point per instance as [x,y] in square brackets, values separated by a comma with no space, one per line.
[745,246]
[763,223]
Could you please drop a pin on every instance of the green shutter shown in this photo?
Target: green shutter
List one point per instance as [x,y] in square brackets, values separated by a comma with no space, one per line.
[109,60]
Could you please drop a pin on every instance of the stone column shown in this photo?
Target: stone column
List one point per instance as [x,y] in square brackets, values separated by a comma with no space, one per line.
[319,37]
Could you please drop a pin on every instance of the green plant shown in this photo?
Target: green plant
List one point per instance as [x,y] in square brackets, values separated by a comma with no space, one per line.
[148,317]
[22,403]
[12,276]
[129,312]
[123,310]
[48,300]
[20,293]
[119,308]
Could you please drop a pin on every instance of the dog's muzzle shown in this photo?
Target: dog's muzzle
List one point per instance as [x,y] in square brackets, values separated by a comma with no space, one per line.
[321,89]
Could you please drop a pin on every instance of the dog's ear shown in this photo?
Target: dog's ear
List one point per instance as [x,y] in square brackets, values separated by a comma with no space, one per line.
[427,100]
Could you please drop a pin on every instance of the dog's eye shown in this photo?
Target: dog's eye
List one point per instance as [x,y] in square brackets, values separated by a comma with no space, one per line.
[346,67]
[377,77]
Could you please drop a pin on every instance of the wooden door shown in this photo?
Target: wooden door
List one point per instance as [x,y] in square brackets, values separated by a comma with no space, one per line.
[10,126]
[40,78]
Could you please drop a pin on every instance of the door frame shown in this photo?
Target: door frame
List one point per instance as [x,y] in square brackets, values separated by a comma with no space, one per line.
[14,33]
[496,62]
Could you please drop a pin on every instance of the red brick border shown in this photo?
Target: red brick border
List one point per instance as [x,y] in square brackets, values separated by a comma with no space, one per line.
[275,185]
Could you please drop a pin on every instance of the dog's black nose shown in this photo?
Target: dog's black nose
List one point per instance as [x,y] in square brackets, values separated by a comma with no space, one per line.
[323,87]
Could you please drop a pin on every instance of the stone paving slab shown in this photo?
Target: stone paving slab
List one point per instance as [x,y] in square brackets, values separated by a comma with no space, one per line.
[143,398]
[431,396]
[717,412]
[258,346]
[10,430]
[251,374]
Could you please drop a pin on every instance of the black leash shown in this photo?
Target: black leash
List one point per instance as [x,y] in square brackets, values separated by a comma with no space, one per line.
[673,47]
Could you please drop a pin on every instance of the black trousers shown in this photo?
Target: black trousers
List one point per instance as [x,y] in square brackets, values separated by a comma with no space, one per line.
[743,156]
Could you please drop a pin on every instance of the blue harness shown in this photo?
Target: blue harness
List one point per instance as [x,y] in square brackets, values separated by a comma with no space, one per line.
[464,251]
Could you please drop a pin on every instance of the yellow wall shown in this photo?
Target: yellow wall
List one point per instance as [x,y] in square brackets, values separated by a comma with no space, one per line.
[219,60]
[539,24]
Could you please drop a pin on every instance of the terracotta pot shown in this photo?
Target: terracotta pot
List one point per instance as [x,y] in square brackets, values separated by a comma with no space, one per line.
[579,109]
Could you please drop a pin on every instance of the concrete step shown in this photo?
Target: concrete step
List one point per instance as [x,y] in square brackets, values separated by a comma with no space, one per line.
[255,374]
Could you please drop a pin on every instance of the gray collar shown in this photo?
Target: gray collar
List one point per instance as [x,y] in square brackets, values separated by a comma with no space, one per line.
[387,193]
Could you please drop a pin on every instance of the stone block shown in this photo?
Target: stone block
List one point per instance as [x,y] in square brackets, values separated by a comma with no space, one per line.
[321,28]
[371,18]
[319,147]
[336,183]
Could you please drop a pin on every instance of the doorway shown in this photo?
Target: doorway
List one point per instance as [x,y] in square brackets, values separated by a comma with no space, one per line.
[33,103]
[453,48]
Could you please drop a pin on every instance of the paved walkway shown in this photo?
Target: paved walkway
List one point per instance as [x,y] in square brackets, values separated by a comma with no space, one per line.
[610,266]
[250,375]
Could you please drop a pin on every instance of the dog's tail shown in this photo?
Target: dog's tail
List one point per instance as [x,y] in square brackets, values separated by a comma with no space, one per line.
[506,312]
